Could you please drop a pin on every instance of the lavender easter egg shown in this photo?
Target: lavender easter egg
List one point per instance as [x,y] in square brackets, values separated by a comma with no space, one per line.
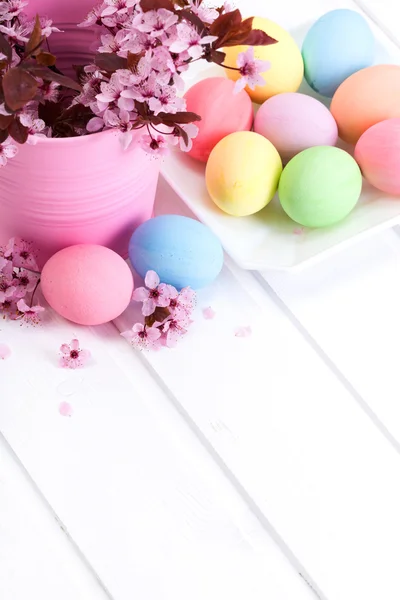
[221,110]
[378,155]
[87,284]
[293,122]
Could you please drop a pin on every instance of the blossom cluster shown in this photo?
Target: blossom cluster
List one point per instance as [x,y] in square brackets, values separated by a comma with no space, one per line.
[21,41]
[167,314]
[18,282]
[155,46]
[134,83]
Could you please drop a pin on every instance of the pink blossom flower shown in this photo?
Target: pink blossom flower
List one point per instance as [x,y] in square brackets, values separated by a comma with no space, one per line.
[188,38]
[191,131]
[47,27]
[145,91]
[122,121]
[25,283]
[3,263]
[35,127]
[117,6]
[7,150]
[21,254]
[156,146]
[167,102]
[29,314]
[93,18]
[16,33]
[72,355]
[205,13]
[182,304]
[155,22]
[11,9]
[141,336]
[112,93]
[153,295]
[250,69]
[113,43]
[174,329]
[49,91]
[7,289]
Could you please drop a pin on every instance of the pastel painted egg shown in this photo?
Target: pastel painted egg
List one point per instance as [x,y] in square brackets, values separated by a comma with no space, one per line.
[242,173]
[320,186]
[287,68]
[293,122]
[221,110]
[339,44]
[182,251]
[378,155]
[366,98]
[87,284]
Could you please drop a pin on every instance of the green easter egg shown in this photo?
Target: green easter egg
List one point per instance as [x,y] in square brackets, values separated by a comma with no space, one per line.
[320,186]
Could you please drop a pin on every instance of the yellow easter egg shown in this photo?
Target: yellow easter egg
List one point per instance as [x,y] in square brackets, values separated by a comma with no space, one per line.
[242,173]
[287,67]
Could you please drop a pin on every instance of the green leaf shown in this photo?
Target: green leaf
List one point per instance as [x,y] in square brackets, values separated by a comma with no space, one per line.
[19,88]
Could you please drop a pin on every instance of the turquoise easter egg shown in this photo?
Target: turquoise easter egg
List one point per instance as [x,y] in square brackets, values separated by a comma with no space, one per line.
[339,44]
[182,251]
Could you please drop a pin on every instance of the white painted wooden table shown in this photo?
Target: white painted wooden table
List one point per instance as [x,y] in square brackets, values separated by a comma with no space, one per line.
[265,467]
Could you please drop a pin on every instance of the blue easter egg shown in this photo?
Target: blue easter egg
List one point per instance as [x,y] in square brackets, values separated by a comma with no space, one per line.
[182,251]
[339,44]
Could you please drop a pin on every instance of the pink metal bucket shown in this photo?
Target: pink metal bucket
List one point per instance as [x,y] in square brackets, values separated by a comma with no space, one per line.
[78,190]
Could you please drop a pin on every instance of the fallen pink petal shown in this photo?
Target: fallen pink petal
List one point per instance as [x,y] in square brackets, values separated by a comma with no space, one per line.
[65,409]
[209,313]
[5,352]
[243,332]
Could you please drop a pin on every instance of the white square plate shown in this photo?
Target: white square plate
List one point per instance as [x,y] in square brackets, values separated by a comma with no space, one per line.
[269,239]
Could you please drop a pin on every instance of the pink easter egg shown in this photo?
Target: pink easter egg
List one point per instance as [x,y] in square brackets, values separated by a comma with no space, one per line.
[222,112]
[293,122]
[87,284]
[378,155]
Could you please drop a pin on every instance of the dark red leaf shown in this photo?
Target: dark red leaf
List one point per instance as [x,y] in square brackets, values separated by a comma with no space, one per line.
[106,61]
[158,316]
[234,35]
[193,19]
[183,135]
[5,47]
[19,88]
[49,75]
[18,132]
[216,57]
[257,37]
[181,3]
[133,60]
[3,135]
[5,121]
[36,38]
[225,23]
[182,118]
[147,5]
[46,59]
[49,112]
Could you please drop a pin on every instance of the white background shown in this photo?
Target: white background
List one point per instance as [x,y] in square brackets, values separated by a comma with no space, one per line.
[262,468]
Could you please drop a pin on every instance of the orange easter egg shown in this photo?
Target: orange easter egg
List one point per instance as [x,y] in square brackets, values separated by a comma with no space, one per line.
[366,98]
